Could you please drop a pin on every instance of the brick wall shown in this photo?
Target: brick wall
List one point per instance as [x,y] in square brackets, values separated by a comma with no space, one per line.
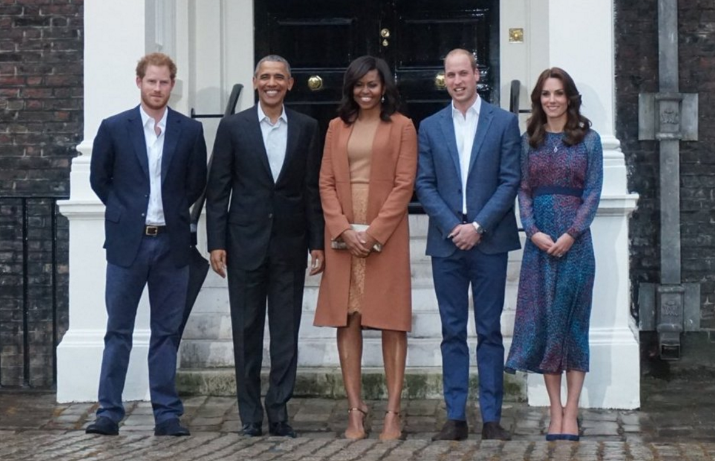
[637,72]
[40,125]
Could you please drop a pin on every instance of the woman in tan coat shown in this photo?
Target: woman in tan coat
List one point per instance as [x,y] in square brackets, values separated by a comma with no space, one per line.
[367,177]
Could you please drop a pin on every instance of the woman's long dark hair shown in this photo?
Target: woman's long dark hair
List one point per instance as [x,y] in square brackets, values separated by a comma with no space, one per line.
[576,124]
[349,109]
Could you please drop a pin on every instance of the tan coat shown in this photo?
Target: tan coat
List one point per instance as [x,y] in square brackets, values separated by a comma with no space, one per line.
[387,302]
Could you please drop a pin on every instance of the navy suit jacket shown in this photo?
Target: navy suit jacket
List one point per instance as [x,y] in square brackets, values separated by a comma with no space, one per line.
[119,175]
[279,220]
[492,183]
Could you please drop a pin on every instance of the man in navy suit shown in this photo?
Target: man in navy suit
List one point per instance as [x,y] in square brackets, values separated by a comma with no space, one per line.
[467,181]
[263,216]
[148,166]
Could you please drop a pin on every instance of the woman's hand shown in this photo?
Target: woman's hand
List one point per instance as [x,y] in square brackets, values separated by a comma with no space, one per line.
[368,239]
[562,246]
[356,244]
[542,241]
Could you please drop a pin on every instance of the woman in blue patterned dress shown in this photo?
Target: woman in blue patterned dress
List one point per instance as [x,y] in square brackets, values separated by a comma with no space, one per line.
[562,174]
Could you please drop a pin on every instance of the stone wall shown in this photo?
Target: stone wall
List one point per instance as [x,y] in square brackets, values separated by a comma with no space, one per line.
[636,30]
[41,99]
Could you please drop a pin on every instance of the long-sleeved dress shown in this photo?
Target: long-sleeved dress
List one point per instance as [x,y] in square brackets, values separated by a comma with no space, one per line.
[559,193]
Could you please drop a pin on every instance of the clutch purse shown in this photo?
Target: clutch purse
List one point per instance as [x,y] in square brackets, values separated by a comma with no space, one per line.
[339,244]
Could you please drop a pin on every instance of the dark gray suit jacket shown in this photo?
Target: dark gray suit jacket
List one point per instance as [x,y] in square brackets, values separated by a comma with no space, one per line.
[247,213]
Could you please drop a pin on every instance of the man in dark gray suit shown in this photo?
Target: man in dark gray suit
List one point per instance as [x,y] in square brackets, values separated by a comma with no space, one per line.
[148,166]
[266,163]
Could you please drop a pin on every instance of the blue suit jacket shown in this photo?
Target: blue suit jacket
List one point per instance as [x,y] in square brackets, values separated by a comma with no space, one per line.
[119,175]
[492,183]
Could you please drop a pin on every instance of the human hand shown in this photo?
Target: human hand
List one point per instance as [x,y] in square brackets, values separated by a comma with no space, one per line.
[317,262]
[562,246]
[218,262]
[368,240]
[542,241]
[465,236]
[355,244]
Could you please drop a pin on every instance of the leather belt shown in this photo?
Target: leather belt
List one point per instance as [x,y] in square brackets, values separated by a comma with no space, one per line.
[153,231]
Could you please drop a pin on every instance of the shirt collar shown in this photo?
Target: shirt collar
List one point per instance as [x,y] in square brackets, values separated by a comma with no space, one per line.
[146,118]
[262,116]
[476,107]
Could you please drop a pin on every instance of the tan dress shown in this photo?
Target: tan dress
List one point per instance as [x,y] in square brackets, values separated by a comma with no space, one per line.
[359,157]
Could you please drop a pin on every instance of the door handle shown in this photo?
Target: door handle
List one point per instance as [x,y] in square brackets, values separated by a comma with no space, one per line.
[315,83]
[385,34]
[439,80]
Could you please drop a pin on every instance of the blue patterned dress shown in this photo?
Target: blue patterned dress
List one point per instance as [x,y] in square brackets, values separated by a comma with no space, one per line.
[559,192]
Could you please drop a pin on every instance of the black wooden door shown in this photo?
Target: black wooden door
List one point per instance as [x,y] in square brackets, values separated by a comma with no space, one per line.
[320,37]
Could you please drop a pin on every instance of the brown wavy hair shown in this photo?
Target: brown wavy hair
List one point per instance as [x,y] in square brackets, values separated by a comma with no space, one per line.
[576,124]
[158,60]
[349,109]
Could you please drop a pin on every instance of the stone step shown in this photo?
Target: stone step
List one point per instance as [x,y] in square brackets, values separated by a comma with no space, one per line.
[314,352]
[326,382]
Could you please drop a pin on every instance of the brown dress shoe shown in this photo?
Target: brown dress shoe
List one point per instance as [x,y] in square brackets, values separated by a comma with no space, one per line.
[453,430]
[493,431]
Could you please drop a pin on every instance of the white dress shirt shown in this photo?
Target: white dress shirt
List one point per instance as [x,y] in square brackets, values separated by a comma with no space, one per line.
[154,152]
[275,139]
[465,129]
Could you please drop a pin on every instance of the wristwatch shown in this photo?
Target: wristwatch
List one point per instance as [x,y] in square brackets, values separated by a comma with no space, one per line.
[480,230]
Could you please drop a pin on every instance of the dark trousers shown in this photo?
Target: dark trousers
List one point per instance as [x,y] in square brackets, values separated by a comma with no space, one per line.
[487,276]
[167,296]
[282,287]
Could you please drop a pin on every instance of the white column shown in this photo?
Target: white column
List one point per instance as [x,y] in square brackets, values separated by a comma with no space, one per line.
[581,41]
[114,42]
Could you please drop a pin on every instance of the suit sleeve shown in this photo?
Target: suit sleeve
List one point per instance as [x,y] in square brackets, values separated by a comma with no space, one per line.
[196,171]
[218,190]
[314,211]
[101,169]
[426,187]
[503,198]
[335,220]
[393,209]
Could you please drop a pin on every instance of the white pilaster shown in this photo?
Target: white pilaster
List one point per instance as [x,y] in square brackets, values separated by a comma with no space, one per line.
[114,41]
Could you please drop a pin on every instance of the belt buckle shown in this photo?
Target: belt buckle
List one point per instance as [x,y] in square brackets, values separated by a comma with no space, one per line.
[152,231]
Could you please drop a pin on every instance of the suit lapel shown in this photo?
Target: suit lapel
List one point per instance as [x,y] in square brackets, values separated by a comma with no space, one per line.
[291,144]
[485,119]
[135,131]
[171,138]
[447,126]
[255,138]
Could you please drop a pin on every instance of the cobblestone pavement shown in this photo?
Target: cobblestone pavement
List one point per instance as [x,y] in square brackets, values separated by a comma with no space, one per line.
[677,422]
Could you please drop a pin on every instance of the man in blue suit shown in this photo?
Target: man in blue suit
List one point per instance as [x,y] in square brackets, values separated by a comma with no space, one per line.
[467,181]
[148,166]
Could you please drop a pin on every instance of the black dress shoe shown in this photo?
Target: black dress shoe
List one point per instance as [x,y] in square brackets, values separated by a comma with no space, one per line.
[171,427]
[252,430]
[453,430]
[281,429]
[493,431]
[103,426]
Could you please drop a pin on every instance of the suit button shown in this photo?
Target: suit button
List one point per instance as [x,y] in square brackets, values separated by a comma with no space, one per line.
[270,215]
[143,215]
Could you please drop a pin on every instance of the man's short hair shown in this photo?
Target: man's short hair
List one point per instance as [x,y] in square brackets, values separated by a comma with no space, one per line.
[272,58]
[158,60]
[456,51]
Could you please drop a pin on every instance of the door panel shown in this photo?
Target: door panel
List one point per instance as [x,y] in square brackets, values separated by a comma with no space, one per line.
[321,37]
